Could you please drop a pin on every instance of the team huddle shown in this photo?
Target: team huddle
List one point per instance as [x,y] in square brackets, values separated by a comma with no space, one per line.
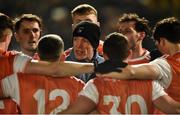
[114,76]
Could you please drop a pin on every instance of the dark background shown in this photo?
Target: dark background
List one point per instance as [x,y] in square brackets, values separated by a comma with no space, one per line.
[57,19]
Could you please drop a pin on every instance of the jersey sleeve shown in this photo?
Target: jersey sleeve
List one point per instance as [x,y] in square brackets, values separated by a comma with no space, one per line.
[20,62]
[10,87]
[157,90]
[90,91]
[165,74]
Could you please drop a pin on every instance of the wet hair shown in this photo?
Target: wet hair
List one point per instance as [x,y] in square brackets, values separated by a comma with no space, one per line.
[141,24]
[50,47]
[27,17]
[5,22]
[168,28]
[83,9]
[116,46]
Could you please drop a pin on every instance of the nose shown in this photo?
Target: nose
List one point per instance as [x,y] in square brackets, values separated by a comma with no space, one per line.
[32,33]
[79,43]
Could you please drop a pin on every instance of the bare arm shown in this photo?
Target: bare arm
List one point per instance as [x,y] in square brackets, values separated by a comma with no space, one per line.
[144,71]
[81,105]
[167,105]
[66,68]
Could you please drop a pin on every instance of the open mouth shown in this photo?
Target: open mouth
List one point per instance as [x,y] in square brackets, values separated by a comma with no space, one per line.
[79,52]
[32,43]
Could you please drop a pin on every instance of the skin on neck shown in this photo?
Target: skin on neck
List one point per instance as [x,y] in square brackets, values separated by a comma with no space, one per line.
[173,48]
[2,46]
[137,52]
[29,53]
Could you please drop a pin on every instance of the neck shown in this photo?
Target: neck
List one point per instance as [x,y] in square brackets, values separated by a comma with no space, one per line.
[29,53]
[3,46]
[137,52]
[174,49]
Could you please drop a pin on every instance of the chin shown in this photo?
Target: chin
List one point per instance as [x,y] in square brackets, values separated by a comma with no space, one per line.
[80,58]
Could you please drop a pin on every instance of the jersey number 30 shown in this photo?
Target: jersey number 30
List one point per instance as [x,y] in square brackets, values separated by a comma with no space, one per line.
[131,99]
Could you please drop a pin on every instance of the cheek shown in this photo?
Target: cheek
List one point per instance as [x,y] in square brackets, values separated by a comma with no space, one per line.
[89,49]
[38,35]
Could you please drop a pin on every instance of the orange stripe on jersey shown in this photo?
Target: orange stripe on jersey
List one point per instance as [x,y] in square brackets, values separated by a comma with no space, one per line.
[174,89]
[116,95]
[8,106]
[6,64]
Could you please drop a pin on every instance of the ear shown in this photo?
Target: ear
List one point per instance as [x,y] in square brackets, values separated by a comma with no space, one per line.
[73,26]
[2,39]
[16,36]
[98,23]
[129,53]
[142,35]
[162,41]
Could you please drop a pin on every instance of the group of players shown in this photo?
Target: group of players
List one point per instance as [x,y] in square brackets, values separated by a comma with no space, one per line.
[44,78]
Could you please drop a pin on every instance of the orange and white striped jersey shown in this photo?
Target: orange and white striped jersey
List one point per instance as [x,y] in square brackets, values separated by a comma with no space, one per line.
[114,96]
[12,63]
[40,94]
[169,77]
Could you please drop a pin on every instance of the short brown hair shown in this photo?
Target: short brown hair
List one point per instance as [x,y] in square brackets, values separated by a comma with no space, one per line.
[28,17]
[116,46]
[50,47]
[168,28]
[83,9]
[141,24]
[5,22]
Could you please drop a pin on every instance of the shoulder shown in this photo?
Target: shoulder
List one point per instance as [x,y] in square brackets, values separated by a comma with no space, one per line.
[99,58]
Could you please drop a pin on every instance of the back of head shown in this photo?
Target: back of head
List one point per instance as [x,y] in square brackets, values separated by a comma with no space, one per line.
[5,22]
[168,28]
[27,17]
[50,47]
[89,31]
[116,47]
[141,24]
[83,9]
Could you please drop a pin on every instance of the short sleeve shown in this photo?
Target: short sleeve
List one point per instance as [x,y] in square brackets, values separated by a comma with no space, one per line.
[10,87]
[20,62]
[165,73]
[90,91]
[157,91]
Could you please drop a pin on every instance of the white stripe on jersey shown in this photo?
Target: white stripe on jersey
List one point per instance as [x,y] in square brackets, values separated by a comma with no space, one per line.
[158,90]
[90,91]
[20,61]
[165,73]
[10,87]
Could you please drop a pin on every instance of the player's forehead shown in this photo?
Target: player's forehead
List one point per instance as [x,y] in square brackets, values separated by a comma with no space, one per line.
[85,17]
[127,24]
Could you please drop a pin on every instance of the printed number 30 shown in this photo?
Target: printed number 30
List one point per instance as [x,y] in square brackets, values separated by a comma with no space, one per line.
[131,99]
